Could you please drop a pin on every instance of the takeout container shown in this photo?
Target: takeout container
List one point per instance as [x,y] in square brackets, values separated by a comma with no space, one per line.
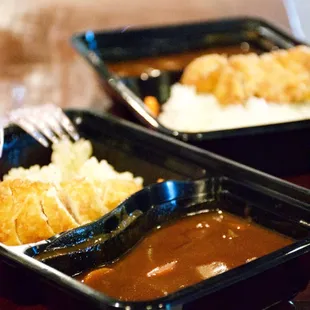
[280,149]
[168,201]
[273,203]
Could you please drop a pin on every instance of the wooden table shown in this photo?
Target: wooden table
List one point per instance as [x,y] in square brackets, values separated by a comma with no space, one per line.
[35,54]
[34,39]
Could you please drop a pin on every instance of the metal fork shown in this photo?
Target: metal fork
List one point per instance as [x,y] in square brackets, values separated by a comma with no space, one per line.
[45,123]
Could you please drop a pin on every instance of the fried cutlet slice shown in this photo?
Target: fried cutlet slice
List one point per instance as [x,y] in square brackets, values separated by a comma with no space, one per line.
[297,61]
[82,200]
[114,191]
[278,76]
[32,211]
[32,223]
[249,70]
[59,218]
[230,86]
[8,213]
[203,72]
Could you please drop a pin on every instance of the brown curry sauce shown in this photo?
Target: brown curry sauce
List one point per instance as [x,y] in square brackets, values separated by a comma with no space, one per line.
[173,62]
[183,253]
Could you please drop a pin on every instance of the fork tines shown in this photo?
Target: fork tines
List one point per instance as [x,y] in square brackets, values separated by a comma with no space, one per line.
[44,122]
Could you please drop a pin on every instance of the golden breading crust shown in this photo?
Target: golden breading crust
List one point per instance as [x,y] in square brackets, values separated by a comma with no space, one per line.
[203,72]
[33,211]
[278,76]
[59,218]
[113,192]
[82,200]
[8,213]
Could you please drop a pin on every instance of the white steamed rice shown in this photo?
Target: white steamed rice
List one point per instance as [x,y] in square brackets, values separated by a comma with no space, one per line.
[69,161]
[191,112]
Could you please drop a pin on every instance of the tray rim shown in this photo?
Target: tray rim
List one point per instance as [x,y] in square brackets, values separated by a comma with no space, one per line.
[240,171]
[203,23]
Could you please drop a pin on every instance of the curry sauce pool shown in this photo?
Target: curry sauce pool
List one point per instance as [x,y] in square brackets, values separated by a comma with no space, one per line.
[183,253]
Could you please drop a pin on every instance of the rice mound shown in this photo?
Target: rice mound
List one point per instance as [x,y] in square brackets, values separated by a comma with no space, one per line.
[72,161]
[189,111]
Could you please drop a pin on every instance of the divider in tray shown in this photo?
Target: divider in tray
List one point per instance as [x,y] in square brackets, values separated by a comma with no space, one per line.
[106,240]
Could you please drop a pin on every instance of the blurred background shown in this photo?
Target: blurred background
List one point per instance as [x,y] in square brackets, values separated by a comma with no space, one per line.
[38,64]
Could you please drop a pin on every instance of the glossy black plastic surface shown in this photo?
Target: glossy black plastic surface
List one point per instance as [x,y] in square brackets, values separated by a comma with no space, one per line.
[147,153]
[93,245]
[262,147]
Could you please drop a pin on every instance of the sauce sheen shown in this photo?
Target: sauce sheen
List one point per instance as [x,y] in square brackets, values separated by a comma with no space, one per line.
[183,253]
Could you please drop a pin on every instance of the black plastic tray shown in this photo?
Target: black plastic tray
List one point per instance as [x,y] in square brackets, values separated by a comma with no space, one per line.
[262,147]
[276,274]
[152,155]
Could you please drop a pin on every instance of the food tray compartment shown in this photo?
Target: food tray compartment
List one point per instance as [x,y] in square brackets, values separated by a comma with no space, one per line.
[127,147]
[262,147]
[278,276]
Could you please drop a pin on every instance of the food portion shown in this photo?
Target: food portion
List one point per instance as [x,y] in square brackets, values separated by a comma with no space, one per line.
[183,253]
[279,76]
[223,92]
[149,66]
[73,190]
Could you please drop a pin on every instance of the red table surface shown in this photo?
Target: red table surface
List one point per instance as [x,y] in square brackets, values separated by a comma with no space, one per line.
[8,305]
